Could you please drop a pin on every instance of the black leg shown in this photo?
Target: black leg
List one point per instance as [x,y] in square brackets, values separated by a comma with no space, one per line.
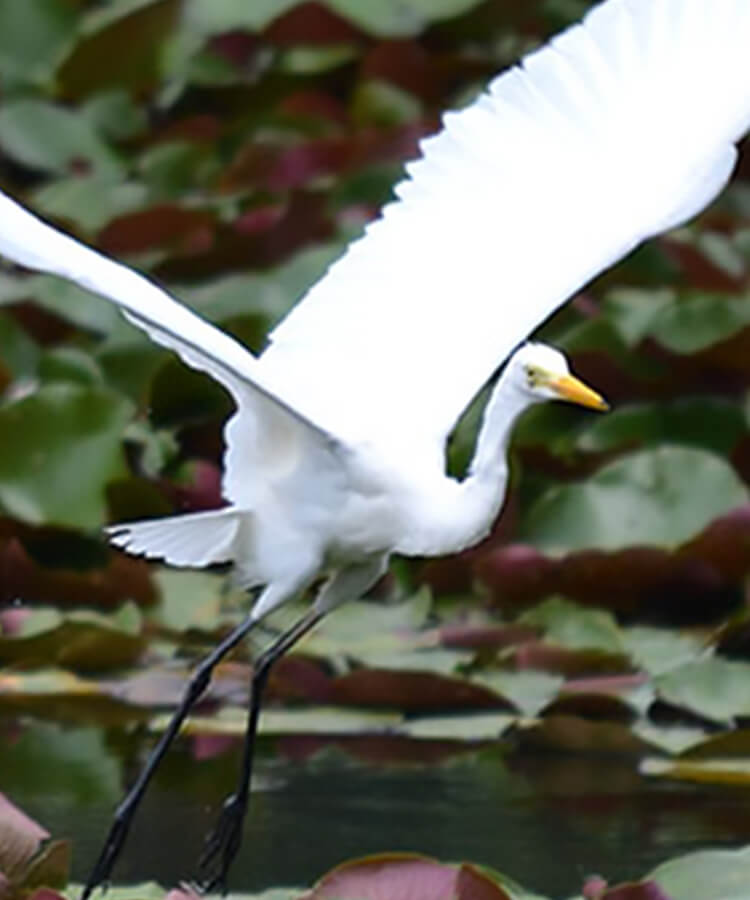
[197,685]
[224,841]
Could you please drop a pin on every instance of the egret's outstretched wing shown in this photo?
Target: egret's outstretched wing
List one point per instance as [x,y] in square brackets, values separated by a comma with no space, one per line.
[620,128]
[266,432]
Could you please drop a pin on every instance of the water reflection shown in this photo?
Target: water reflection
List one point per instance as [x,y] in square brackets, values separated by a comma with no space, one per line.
[546,820]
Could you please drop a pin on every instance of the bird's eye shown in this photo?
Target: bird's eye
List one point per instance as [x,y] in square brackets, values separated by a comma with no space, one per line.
[532,376]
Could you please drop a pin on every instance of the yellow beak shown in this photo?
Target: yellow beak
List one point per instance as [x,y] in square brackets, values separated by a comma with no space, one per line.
[575,391]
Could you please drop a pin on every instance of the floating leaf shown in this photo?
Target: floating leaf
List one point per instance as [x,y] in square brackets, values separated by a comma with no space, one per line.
[660,497]
[140,25]
[723,874]
[41,135]
[42,479]
[115,114]
[34,36]
[574,626]
[91,201]
[387,18]
[710,423]
[683,324]
[403,876]
[659,649]
[713,688]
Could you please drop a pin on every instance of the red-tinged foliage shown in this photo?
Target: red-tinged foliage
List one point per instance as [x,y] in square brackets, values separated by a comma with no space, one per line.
[576,734]
[485,636]
[45,894]
[298,678]
[699,271]
[259,219]
[408,65]
[411,690]
[305,219]
[281,167]
[26,863]
[593,887]
[695,578]
[545,657]
[311,23]
[643,890]
[316,106]
[199,487]
[237,47]
[200,128]
[123,578]
[168,227]
[405,877]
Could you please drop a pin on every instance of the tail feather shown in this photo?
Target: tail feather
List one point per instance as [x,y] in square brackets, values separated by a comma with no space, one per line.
[195,539]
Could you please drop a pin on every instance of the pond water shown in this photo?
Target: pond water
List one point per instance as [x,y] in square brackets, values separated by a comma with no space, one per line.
[544,819]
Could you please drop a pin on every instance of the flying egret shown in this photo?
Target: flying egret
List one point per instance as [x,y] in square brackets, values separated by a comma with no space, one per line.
[623,126]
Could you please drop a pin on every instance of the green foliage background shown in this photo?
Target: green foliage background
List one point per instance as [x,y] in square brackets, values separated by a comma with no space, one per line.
[231,149]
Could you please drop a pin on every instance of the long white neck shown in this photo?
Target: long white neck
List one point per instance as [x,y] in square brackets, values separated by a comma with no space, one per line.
[458,514]
[489,465]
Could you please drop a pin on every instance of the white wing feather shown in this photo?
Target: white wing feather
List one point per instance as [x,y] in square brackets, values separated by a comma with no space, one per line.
[266,435]
[620,128]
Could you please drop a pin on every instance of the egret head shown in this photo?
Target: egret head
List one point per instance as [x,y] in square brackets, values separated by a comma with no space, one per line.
[543,373]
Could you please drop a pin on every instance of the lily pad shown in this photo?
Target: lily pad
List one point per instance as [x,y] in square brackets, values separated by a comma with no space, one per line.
[388,18]
[662,497]
[713,688]
[42,480]
[405,877]
[41,135]
[719,874]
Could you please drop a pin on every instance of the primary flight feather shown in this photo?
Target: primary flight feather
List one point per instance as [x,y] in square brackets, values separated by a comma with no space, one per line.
[619,128]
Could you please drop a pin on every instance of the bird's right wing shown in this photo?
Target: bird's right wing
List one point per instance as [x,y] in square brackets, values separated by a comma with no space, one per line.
[619,128]
[266,438]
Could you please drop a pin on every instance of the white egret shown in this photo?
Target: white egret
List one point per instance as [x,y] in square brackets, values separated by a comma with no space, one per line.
[622,127]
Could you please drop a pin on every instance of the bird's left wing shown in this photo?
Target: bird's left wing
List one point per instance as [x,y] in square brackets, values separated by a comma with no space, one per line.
[265,431]
[621,127]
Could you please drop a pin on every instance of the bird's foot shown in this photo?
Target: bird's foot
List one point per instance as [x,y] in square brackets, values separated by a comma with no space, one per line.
[222,845]
[101,873]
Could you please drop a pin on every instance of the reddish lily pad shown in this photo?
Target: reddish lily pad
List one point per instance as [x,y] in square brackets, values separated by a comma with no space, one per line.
[405,877]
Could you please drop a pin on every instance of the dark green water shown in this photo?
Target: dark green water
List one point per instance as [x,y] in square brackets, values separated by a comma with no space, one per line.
[545,820]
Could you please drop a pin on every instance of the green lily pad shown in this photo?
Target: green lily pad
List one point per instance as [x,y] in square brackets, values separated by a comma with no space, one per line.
[473,727]
[18,352]
[662,497]
[66,300]
[388,18]
[658,650]
[188,600]
[41,135]
[683,324]
[60,448]
[719,874]
[713,688]
[709,423]
[34,36]
[91,201]
[575,626]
